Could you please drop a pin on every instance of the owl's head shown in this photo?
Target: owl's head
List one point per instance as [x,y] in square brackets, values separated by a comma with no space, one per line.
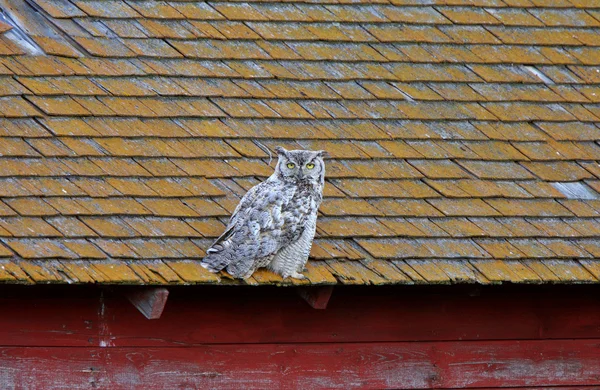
[301,165]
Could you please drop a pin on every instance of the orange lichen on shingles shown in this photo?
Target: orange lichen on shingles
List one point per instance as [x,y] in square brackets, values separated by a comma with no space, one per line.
[463,138]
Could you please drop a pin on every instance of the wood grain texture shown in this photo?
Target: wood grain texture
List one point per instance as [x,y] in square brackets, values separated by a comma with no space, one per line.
[217,315]
[150,301]
[47,321]
[408,337]
[316,297]
[274,315]
[308,366]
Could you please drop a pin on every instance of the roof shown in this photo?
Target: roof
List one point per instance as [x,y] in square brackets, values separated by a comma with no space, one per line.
[464,136]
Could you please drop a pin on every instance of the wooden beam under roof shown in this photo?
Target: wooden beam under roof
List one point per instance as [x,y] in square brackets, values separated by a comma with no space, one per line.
[149,301]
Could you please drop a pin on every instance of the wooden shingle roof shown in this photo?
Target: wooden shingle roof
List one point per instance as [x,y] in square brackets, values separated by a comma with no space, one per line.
[464,136]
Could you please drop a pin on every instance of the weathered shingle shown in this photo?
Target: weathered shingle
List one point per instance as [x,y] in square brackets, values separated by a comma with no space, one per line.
[464,137]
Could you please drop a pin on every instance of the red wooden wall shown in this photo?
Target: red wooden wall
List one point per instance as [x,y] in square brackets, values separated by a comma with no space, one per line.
[235,337]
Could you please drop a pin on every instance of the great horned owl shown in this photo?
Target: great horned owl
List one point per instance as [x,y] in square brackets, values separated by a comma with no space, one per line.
[274,224]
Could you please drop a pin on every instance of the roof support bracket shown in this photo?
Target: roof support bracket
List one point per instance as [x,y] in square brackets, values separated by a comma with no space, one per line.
[150,301]
[317,297]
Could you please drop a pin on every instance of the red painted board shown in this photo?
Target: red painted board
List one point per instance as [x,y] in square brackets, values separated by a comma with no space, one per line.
[150,301]
[41,321]
[308,366]
[316,297]
[230,315]
[270,317]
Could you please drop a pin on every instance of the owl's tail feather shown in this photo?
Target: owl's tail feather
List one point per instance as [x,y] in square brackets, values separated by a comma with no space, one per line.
[226,257]
[219,255]
[214,261]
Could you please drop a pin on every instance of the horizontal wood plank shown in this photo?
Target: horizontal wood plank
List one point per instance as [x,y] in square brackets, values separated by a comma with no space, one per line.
[49,321]
[217,315]
[305,366]
[362,315]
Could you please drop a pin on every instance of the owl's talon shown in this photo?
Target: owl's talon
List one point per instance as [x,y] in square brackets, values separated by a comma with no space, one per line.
[297,275]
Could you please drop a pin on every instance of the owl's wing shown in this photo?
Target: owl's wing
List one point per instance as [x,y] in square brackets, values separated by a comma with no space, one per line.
[255,230]
[239,212]
[246,202]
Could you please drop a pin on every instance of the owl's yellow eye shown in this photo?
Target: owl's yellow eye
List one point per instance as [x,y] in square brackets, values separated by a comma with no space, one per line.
[291,165]
[310,166]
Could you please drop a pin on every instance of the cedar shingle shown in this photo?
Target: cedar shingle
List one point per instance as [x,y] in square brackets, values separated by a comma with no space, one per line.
[496,170]
[557,171]
[349,207]
[468,15]
[514,17]
[533,208]
[402,227]
[448,126]
[459,227]
[422,248]
[17,107]
[342,227]
[109,227]
[28,227]
[439,169]
[112,9]
[156,9]
[30,207]
[500,249]
[40,249]
[71,227]
[470,34]
[161,227]
[463,207]
[84,249]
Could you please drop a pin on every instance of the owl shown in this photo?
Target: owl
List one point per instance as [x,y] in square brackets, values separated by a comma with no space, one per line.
[274,224]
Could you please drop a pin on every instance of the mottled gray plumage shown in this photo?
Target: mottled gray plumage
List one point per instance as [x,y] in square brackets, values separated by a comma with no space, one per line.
[274,224]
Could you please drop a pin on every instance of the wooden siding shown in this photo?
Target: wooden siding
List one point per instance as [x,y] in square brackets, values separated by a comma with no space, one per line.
[402,337]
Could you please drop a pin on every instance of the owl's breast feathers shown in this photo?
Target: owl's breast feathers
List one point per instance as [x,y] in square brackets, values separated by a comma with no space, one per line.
[304,203]
[270,216]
